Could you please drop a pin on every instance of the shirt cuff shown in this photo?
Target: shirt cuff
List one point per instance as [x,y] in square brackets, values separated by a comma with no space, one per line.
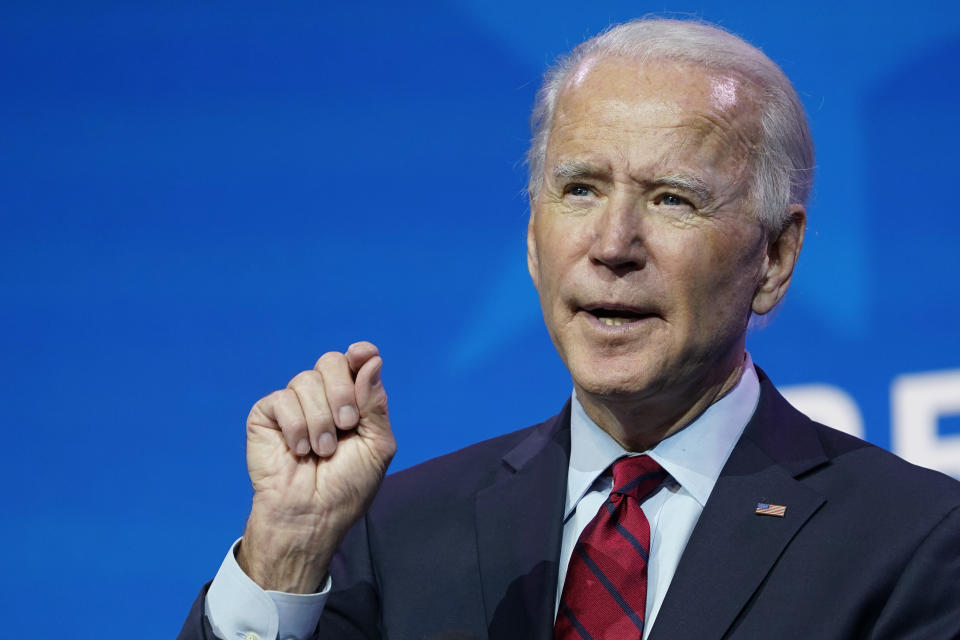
[237,607]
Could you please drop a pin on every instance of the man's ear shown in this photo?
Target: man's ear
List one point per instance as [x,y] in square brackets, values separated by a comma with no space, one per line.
[533,262]
[783,249]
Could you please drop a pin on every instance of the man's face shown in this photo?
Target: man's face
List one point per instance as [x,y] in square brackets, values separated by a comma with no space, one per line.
[641,243]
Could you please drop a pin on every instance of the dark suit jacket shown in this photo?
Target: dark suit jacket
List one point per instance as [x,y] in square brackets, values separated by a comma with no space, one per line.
[467,545]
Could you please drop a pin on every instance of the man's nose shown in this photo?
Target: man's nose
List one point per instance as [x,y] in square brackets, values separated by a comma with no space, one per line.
[618,238]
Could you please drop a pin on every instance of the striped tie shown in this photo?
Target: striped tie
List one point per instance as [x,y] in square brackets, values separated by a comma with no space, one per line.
[605,592]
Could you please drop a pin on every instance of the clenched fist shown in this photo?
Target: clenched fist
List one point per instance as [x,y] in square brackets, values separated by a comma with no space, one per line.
[316,452]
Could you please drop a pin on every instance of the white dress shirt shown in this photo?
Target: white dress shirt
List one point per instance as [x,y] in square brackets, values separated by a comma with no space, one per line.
[239,609]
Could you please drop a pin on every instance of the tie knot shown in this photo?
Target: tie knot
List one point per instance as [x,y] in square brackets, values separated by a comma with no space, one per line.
[637,476]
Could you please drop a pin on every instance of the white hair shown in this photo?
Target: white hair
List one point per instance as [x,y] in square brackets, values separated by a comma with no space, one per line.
[782,162]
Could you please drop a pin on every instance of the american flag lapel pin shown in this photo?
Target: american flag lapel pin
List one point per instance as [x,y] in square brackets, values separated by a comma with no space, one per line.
[765,509]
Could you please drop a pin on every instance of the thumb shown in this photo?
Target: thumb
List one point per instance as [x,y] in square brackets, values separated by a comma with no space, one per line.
[371,396]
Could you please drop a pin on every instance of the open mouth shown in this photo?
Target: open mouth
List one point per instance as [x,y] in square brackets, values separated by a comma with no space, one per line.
[616,316]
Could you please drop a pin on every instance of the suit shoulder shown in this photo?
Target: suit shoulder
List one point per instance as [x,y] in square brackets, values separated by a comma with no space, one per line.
[838,444]
[841,462]
[859,465]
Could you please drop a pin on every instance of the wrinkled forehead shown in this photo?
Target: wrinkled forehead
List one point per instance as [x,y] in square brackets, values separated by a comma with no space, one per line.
[663,94]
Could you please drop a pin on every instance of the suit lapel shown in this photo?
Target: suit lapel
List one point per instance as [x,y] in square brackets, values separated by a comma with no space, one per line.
[519,528]
[732,549]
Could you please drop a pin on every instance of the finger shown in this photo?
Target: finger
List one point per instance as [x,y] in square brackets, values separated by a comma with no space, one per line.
[339,389]
[283,408]
[359,353]
[308,385]
[371,396]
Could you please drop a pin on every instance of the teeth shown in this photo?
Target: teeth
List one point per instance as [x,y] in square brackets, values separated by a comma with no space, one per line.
[613,322]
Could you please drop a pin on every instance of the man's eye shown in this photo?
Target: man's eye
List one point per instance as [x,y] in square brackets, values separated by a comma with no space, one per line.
[673,200]
[578,190]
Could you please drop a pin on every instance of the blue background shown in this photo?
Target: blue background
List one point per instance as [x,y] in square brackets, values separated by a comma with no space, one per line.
[200,198]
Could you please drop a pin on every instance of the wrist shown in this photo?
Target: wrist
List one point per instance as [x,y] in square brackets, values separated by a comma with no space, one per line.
[291,560]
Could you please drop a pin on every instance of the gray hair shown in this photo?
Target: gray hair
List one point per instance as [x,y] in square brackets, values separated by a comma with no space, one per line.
[782,171]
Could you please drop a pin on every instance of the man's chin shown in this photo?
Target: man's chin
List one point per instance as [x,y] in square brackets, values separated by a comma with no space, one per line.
[622,386]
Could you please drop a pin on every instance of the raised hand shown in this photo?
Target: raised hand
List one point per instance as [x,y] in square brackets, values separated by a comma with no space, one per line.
[316,453]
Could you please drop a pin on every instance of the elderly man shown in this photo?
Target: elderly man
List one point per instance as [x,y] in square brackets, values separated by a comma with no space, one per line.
[677,495]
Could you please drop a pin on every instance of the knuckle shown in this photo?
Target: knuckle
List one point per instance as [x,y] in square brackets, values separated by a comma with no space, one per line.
[330,358]
[379,399]
[285,397]
[294,424]
[269,402]
[339,392]
[302,378]
[273,396]
[324,415]
[319,420]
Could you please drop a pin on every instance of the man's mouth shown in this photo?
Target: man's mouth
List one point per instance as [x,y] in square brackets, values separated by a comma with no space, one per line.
[616,315]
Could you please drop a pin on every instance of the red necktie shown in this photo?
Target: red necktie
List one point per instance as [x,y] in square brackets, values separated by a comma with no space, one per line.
[605,591]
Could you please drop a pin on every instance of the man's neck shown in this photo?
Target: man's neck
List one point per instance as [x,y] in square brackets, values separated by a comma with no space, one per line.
[640,424]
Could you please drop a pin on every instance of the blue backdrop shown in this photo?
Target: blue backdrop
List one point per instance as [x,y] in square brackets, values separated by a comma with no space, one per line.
[198,199]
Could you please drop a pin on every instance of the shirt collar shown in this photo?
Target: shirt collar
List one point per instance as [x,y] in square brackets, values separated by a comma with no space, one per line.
[693,456]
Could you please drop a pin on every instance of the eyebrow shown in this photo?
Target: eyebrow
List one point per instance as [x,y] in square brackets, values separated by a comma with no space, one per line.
[685,182]
[578,169]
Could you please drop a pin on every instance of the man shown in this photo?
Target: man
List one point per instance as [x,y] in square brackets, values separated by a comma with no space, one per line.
[668,174]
